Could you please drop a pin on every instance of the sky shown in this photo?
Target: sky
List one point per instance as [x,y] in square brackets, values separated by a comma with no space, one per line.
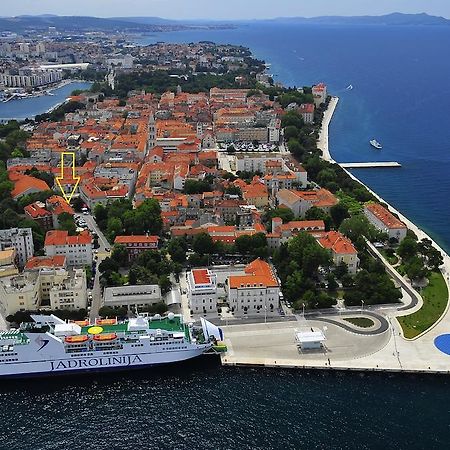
[222,9]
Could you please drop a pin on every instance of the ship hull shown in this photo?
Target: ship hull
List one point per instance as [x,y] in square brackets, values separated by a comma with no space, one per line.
[96,364]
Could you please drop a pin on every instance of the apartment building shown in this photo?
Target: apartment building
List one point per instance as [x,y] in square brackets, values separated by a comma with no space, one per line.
[385,221]
[202,291]
[76,249]
[22,240]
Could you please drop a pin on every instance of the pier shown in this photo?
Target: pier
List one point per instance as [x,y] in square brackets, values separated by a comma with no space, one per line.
[370,165]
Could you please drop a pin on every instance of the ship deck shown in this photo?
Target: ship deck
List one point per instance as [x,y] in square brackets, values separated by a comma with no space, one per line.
[163,324]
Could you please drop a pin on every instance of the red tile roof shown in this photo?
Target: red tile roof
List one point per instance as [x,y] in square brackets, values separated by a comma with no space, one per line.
[201,276]
[45,262]
[385,216]
[337,243]
[136,240]
[258,274]
[61,237]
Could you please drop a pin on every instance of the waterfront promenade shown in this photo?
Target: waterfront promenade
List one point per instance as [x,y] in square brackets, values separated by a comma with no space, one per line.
[273,345]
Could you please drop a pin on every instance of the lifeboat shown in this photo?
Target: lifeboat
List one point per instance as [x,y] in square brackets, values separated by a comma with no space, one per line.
[106,322]
[76,339]
[105,337]
[82,323]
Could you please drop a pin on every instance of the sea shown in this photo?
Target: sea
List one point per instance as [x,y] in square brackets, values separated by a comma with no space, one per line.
[401,94]
[30,107]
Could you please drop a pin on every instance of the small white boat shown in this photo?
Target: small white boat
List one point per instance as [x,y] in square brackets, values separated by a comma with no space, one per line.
[349,87]
[376,144]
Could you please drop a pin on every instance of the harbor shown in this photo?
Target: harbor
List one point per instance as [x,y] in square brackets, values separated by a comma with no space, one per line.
[21,109]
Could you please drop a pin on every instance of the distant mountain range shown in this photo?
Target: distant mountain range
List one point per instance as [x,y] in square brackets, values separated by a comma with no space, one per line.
[149,24]
[388,19]
[84,23]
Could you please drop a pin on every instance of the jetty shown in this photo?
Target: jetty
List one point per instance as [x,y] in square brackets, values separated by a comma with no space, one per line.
[369,165]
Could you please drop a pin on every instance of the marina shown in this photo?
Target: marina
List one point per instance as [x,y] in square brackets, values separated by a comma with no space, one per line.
[31,106]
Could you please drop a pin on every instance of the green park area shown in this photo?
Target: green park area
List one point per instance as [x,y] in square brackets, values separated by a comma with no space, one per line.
[361,322]
[435,298]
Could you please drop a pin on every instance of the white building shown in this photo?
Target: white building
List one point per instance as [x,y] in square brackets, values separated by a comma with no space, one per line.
[47,288]
[29,78]
[132,297]
[255,162]
[385,221]
[22,240]
[202,291]
[256,292]
[76,249]
[306,110]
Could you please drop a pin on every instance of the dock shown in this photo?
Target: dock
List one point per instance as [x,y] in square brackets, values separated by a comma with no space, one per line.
[370,165]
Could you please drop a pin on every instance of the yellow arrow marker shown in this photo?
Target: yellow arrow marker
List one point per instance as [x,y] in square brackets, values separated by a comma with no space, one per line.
[71,180]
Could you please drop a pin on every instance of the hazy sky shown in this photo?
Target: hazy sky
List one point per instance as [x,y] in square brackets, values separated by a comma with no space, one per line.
[222,9]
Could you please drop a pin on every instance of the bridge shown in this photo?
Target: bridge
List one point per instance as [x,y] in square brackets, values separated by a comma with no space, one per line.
[368,165]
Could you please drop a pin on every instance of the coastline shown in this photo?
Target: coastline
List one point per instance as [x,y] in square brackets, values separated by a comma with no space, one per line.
[323,144]
[272,344]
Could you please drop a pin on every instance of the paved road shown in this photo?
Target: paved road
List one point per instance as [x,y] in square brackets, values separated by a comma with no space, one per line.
[92,225]
[415,297]
[101,255]
[384,324]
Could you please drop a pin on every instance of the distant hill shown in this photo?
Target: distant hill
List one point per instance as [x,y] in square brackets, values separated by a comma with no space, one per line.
[150,24]
[389,19]
[79,23]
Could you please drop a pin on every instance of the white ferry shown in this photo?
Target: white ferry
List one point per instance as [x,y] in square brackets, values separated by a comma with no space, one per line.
[376,144]
[51,346]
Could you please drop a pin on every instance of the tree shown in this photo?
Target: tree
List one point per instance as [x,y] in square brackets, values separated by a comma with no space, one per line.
[290,131]
[101,215]
[165,284]
[285,214]
[196,260]
[292,118]
[114,228]
[408,248]
[177,250]
[120,255]
[305,250]
[341,270]
[296,148]
[331,281]
[415,268]
[315,213]
[358,226]
[234,190]
[109,265]
[203,244]
[196,187]
[66,222]
[339,213]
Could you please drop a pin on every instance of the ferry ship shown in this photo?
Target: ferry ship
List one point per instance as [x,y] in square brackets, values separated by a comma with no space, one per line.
[50,346]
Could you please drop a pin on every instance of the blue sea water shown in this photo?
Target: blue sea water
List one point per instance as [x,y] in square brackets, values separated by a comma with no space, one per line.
[201,406]
[401,97]
[30,107]
[400,78]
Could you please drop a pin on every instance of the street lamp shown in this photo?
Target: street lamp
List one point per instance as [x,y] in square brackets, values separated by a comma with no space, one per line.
[362,307]
[303,306]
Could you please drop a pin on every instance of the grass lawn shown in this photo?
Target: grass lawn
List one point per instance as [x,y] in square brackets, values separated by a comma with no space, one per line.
[391,259]
[362,322]
[435,298]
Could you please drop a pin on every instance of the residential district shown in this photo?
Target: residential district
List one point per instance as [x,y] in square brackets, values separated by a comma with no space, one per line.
[186,180]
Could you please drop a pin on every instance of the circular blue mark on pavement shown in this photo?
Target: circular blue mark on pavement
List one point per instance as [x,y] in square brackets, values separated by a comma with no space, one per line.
[442,343]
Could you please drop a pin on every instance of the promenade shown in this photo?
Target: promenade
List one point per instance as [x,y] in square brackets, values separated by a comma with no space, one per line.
[348,347]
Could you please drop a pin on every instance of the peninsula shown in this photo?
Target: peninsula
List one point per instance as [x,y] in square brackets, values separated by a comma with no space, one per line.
[186,185]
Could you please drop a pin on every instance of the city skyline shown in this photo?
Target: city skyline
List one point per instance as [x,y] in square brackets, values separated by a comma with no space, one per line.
[231,10]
